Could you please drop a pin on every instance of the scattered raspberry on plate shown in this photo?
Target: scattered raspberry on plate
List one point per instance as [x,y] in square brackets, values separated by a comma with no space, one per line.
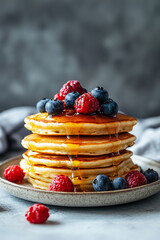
[61,183]
[14,174]
[135,179]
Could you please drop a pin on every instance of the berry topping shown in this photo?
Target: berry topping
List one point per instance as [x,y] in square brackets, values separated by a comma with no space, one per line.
[14,174]
[41,105]
[61,183]
[151,175]
[71,86]
[86,104]
[101,183]
[109,108]
[58,96]
[37,213]
[135,179]
[118,183]
[100,94]
[54,107]
[70,99]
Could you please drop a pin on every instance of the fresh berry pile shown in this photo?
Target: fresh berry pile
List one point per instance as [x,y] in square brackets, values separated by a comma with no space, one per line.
[73,96]
[37,214]
[14,174]
[132,179]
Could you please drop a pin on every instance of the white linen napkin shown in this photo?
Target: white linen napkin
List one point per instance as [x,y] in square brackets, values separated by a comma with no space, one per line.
[147,132]
[12,127]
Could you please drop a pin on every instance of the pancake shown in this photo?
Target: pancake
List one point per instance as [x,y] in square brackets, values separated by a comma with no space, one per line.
[35,158]
[50,172]
[79,124]
[78,145]
[75,145]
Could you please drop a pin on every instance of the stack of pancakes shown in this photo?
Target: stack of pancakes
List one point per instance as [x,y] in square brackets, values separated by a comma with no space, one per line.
[78,146]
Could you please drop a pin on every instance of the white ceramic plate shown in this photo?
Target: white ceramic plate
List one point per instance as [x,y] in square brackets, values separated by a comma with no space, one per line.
[88,199]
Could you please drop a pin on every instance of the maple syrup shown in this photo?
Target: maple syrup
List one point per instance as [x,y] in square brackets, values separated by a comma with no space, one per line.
[73,117]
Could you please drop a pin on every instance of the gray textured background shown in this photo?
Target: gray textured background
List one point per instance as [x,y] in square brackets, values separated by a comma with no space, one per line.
[115,44]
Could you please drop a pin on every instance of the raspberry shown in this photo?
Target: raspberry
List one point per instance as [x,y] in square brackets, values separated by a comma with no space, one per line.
[86,104]
[37,213]
[14,174]
[61,183]
[70,86]
[135,179]
[58,96]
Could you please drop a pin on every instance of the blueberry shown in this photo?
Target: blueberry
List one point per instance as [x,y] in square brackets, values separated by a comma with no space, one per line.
[151,175]
[109,108]
[100,93]
[41,105]
[118,183]
[101,183]
[70,98]
[54,107]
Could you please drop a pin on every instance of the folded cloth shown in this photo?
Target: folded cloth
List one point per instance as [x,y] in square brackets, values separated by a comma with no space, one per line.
[147,132]
[12,127]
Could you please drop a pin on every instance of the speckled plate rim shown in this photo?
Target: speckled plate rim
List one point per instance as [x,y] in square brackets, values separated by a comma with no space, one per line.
[76,199]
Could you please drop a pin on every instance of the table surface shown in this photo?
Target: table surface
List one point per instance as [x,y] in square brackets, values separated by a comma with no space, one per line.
[130,221]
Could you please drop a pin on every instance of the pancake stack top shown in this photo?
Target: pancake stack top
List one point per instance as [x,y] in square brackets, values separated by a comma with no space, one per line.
[78,146]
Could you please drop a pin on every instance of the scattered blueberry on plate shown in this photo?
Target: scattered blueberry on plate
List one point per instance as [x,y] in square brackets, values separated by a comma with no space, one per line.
[101,183]
[151,175]
[118,183]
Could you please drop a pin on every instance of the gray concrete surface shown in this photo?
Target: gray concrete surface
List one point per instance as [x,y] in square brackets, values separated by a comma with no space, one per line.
[115,44]
[131,221]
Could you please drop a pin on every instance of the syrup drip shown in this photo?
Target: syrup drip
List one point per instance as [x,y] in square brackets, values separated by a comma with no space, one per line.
[72,160]
[118,150]
[74,163]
